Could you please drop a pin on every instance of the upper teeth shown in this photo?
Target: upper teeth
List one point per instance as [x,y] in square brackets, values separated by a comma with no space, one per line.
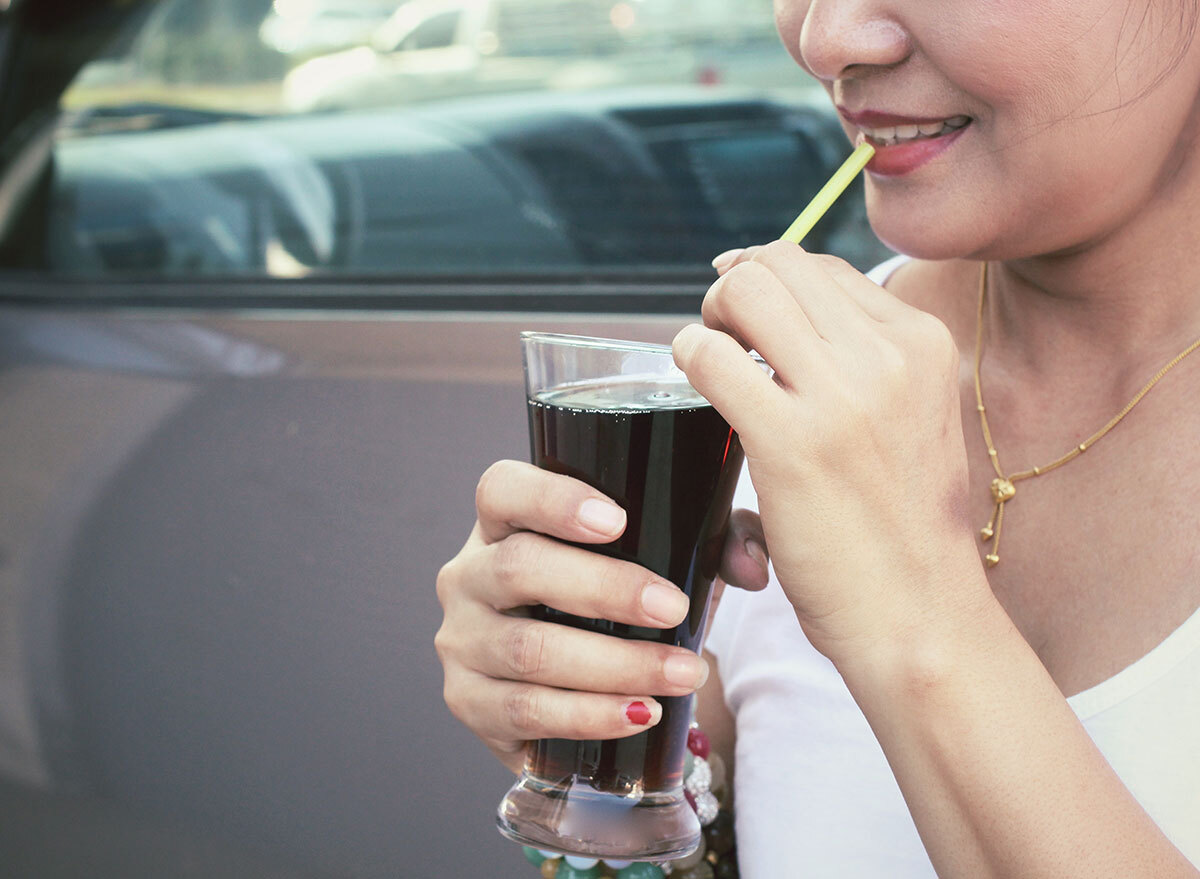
[899,133]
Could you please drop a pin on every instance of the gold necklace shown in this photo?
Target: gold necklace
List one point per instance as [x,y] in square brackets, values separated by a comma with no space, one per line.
[1004,487]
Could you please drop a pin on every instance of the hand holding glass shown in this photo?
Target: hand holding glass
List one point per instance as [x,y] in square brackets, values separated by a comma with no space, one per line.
[622,417]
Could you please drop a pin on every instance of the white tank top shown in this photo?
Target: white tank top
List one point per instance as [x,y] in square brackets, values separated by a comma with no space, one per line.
[815,795]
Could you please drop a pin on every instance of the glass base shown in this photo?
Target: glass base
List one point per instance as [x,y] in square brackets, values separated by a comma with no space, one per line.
[576,819]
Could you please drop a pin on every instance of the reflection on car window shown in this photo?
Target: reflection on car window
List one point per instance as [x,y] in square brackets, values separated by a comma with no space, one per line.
[437,32]
[458,138]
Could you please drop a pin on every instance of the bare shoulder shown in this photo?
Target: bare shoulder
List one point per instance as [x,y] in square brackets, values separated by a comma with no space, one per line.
[946,289]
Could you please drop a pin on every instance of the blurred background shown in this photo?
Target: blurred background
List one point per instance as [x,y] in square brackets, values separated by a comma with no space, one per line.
[300,55]
[263,266]
[647,133]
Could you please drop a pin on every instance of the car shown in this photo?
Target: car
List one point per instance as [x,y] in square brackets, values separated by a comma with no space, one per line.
[525,184]
[251,366]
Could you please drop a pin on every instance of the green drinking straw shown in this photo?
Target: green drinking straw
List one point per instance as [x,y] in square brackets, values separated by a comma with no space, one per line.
[829,193]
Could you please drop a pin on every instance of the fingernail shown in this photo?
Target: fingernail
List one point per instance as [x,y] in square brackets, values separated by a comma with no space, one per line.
[638,713]
[756,551]
[664,603]
[601,516]
[685,670]
[727,258]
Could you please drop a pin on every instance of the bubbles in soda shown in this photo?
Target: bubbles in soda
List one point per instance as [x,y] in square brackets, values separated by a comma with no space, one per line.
[625,394]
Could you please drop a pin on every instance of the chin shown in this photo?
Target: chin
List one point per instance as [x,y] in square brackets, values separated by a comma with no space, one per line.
[930,234]
[922,242]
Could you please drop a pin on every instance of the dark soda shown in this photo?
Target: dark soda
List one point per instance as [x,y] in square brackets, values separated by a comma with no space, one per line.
[658,449]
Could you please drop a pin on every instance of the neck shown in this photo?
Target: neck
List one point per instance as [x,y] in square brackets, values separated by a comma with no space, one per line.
[1112,309]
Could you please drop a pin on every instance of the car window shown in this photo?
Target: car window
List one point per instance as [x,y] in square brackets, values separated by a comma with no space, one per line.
[564,138]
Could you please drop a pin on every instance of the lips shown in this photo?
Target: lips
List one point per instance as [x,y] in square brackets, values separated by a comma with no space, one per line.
[905,143]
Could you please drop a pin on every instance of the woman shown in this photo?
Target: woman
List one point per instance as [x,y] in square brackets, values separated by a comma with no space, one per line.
[1037,702]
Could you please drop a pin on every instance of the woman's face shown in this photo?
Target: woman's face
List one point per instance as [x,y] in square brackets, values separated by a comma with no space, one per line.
[1006,128]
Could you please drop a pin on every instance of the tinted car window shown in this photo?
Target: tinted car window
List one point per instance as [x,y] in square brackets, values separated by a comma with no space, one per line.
[558,137]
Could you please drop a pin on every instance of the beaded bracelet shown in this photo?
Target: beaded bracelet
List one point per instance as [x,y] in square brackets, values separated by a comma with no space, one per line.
[706,788]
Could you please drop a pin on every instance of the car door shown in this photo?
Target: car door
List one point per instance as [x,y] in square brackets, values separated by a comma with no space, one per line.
[251,367]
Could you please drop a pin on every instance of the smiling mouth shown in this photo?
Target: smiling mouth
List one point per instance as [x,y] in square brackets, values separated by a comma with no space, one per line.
[892,135]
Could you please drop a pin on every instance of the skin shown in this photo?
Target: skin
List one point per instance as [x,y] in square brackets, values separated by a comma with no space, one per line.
[510,678]
[1078,181]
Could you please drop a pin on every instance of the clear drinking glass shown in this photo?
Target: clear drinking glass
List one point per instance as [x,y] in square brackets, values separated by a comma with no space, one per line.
[622,417]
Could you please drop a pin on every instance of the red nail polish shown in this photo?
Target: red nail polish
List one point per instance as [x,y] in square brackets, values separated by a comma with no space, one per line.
[638,713]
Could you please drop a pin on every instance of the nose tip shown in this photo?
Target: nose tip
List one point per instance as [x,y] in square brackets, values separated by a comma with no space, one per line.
[838,40]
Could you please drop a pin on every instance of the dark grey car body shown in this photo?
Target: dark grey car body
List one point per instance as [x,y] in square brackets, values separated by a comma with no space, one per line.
[221,535]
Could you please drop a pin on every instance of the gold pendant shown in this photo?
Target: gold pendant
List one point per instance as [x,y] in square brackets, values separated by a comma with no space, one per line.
[1003,490]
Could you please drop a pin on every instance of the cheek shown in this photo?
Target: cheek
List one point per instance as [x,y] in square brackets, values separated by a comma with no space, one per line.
[1057,65]
[1019,61]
